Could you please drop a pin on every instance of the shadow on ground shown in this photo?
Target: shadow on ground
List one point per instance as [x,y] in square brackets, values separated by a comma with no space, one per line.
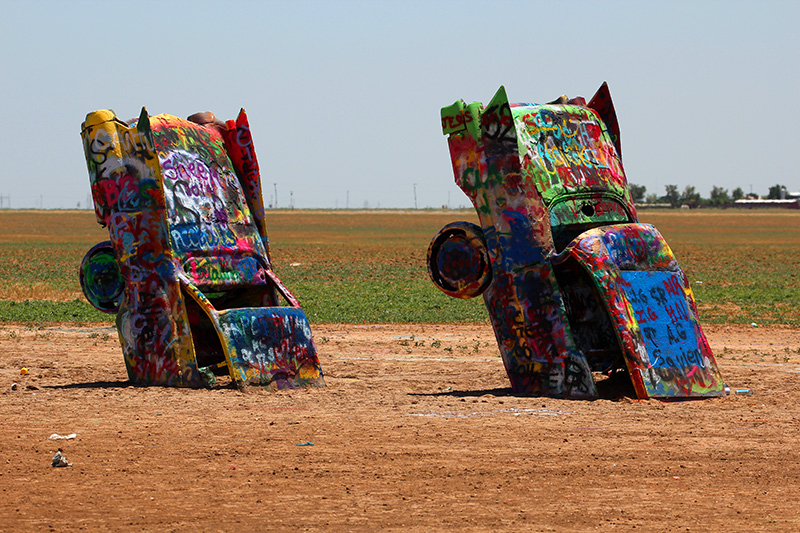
[613,387]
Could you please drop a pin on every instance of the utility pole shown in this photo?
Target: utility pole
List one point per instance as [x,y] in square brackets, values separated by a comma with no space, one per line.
[415,196]
[347,202]
[276,195]
[291,199]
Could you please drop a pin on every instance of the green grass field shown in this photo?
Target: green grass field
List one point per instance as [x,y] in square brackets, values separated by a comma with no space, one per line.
[359,267]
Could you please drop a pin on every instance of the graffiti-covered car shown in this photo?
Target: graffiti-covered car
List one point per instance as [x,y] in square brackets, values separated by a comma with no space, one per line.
[573,283]
[187,269]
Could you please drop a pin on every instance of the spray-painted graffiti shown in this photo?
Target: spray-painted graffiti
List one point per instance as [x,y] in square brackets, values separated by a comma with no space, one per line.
[270,347]
[100,278]
[186,255]
[573,283]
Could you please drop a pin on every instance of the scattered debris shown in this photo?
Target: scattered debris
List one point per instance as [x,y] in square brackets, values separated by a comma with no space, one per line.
[515,411]
[306,444]
[59,460]
[744,392]
[56,436]
[23,371]
[13,386]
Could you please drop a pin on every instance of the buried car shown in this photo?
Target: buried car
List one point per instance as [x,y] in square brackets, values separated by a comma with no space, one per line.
[187,269]
[573,282]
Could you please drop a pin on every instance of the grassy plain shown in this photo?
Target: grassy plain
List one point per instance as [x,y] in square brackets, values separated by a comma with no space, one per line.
[362,267]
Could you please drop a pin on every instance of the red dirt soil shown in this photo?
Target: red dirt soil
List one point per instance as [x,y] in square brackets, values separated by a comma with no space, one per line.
[415,430]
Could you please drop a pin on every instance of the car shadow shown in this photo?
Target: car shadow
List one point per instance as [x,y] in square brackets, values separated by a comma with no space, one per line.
[123,384]
[615,387]
[504,391]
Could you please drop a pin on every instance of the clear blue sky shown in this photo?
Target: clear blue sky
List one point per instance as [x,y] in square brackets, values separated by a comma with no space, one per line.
[345,96]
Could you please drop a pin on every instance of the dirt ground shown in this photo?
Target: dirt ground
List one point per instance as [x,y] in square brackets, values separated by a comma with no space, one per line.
[415,430]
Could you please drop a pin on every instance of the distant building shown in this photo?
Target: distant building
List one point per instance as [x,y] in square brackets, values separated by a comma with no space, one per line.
[654,205]
[792,203]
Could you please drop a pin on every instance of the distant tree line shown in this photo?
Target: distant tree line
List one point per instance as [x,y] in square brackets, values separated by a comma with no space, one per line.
[719,196]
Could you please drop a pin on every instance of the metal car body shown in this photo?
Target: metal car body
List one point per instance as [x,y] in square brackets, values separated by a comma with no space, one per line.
[187,269]
[573,283]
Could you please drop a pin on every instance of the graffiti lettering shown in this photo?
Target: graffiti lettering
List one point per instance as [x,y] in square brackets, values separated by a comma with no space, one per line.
[135,142]
[658,294]
[677,312]
[571,148]
[498,123]
[456,121]
[645,315]
[673,286]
